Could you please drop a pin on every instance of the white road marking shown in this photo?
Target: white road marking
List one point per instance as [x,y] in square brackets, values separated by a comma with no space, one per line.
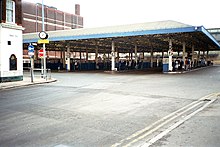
[175,125]
[162,122]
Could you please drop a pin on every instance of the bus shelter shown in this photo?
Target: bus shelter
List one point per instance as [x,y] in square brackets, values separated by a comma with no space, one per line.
[153,44]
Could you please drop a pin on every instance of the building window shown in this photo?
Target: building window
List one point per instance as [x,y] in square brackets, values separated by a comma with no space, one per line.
[13,62]
[10,11]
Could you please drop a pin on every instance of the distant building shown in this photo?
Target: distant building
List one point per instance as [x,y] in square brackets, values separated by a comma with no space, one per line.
[215,54]
[215,33]
[53,19]
[11,46]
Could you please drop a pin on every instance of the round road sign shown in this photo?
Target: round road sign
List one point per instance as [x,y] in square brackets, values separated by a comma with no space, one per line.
[41,53]
[31,50]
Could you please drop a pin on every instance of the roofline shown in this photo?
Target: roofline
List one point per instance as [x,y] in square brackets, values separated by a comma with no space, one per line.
[213,29]
[58,35]
[118,34]
[202,29]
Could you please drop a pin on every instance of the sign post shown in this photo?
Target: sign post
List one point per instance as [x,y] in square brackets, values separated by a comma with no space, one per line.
[43,35]
[31,55]
[43,40]
[41,55]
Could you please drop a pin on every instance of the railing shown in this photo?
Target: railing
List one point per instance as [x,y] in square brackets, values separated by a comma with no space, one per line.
[37,72]
[40,73]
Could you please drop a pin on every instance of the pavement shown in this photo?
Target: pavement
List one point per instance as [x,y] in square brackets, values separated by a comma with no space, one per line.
[186,71]
[26,82]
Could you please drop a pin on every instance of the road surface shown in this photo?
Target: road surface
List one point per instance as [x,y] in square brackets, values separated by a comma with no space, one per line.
[104,109]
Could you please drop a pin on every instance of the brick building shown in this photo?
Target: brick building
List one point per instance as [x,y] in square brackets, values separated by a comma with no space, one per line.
[54,19]
[4,9]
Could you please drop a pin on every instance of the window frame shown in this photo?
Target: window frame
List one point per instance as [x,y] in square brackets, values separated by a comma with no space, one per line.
[10,9]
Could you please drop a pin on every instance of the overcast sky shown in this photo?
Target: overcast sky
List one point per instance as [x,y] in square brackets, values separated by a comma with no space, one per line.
[99,13]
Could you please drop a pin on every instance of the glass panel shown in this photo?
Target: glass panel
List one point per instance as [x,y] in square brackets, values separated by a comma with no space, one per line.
[9,5]
[10,11]
[9,16]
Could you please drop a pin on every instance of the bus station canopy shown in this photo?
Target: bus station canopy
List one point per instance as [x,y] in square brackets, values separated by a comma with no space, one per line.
[146,36]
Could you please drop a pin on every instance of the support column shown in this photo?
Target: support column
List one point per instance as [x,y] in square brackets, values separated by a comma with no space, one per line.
[170,53]
[113,55]
[162,60]
[104,56]
[118,54]
[198,58]
[64,58]
[193,62]
[199,54]
[208,62]
[184,53]
[135,53]
[96,56]
[80,60]
[61,58]
[104,60]
[80,55]
[207,55]
[55,54]
[151,58]
[158,60]
[68,58]
[87,55]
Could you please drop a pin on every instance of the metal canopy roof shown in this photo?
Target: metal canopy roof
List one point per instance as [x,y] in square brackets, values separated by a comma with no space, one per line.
[146,36]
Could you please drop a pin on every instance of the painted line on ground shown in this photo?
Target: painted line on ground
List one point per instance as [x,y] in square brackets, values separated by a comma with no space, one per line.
[137,136]
[175,125]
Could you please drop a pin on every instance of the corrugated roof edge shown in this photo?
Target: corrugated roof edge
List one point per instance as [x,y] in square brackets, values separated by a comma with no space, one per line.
[148,28]
[119,34]
[120,31]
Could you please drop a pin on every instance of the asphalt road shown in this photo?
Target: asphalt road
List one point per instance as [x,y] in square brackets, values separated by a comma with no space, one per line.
[102,109]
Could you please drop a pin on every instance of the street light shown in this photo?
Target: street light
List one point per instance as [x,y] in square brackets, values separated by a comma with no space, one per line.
[44,50]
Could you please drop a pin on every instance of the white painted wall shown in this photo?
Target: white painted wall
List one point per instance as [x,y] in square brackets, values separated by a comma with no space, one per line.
[0,49]
[15,36]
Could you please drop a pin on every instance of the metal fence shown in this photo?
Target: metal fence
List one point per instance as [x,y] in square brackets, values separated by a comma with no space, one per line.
[38,73]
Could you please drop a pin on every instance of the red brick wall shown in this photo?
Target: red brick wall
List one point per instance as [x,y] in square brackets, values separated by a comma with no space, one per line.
[77,9]
[80,20]
[54,19]
[29,26]
[18,12]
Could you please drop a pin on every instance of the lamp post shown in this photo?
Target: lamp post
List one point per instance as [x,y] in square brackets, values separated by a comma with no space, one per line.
[44,50]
